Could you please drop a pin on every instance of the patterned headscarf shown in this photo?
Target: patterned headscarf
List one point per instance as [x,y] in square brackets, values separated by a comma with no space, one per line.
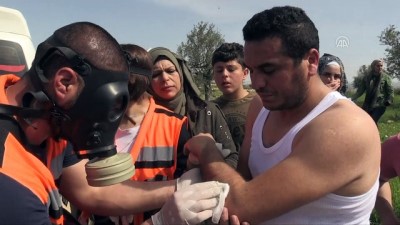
[324,61]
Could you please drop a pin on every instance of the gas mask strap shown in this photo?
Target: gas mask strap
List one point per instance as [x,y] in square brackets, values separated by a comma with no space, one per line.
[134,68]
[22,112]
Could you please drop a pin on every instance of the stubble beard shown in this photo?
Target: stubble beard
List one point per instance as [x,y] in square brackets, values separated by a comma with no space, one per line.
[295,98]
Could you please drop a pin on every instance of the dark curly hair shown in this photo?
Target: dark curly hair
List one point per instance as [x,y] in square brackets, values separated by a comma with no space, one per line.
[291,24]
[138,83]
[227,52]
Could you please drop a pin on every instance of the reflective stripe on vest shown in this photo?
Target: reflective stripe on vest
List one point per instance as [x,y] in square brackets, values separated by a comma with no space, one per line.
[30,172]
[153,157]
[155,147]
[55,156]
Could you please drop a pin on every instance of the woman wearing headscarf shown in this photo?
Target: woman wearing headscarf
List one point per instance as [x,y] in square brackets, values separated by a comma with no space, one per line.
[172,86]
[331,70]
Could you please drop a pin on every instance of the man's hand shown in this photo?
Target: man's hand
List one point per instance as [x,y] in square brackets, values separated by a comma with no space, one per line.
[227,219]
[193,204]
[198,144]
[125,220]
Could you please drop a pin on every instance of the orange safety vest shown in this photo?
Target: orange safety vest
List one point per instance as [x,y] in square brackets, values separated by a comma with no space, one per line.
[27,169]
[55,153]
[30,172]
[155,149]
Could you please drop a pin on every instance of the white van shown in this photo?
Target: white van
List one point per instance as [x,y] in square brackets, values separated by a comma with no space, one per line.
[16,48]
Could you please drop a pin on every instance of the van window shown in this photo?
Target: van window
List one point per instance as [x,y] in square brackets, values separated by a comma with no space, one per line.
[12,59]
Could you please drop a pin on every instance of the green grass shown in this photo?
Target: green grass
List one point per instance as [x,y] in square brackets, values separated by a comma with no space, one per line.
[388,125]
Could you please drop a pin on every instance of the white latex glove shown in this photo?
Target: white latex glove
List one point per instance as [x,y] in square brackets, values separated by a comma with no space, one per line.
[217,211]
[125,220]
[192,205]
[190,177]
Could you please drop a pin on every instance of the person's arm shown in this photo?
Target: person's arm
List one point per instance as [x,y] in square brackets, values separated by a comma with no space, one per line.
[390,168]
[303,176]
[389,92]
[384,207]
[129,197]
[243,167]
[181,164]
[222,134]
[360,90]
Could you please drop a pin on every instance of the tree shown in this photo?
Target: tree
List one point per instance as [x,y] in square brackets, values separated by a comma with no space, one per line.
[201,42]
[391,37]
[361,73]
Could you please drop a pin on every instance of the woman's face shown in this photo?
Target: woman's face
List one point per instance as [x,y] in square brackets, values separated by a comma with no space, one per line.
[378,67]
[165,81]
[331,76]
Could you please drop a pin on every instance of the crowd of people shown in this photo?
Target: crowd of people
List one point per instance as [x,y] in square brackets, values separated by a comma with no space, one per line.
[297,157]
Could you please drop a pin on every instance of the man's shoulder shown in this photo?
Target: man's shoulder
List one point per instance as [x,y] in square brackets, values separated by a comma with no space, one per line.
[349,119]
[211,105]
[251,94]
[392,143]
[222,101]
[162,111]
[219,100]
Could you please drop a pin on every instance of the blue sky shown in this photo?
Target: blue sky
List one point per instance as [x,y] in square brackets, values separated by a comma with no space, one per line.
[152,23]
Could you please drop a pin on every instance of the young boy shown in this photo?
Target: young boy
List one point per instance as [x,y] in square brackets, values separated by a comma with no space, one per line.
[229,72]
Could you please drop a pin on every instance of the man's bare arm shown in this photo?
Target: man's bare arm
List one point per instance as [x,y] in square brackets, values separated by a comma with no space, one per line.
[310,172]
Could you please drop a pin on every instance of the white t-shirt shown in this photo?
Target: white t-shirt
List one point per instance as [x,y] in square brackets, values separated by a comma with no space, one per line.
[124,139]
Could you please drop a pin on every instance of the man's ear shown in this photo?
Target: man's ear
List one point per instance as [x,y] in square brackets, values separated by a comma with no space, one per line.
[313,60]
[246,73]
[65,86]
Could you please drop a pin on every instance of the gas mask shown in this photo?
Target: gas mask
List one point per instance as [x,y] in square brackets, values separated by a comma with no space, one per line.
[91,123]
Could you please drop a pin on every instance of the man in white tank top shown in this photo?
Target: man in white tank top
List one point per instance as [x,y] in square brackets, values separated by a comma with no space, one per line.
[309,155]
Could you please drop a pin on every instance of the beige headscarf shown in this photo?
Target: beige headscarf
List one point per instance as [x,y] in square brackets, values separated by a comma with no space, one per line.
[189,89]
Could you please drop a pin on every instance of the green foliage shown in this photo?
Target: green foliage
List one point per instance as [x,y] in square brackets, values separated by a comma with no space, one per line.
[362,71]
[201,42]
[391,38]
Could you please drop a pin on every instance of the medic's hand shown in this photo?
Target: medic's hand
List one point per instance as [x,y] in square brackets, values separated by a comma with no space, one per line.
[193,204]
[198,145]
